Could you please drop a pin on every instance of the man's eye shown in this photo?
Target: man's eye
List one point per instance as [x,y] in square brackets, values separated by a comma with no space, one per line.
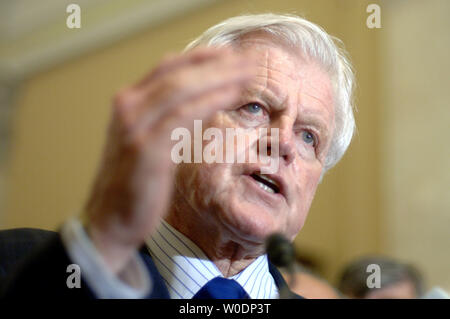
[253,108]
[308,138]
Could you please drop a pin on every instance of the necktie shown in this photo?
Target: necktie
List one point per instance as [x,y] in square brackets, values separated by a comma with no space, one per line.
[221,288]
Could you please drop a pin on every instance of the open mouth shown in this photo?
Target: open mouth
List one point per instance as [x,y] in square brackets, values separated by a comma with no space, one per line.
[266,183]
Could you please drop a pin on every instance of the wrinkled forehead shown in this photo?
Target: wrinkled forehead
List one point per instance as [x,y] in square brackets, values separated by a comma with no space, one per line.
[278,54]
[286,64]
[260,40]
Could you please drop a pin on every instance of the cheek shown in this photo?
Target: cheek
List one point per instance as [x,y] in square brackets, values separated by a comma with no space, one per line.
[306,185]
[200,184]
[312,181]
[307,176]
[185,180]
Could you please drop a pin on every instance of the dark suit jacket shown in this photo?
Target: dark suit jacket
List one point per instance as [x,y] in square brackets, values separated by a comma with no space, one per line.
[33,263]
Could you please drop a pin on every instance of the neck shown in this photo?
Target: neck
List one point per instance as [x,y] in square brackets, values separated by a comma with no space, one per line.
[230,253]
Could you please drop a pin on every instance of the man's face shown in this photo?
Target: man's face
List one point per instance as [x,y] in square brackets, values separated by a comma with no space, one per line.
[288,93]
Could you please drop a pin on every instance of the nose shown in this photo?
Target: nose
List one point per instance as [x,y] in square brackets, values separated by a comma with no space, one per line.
[284,140]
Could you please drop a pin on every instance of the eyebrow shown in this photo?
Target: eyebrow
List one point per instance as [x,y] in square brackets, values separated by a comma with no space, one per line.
[311,118]
[266,96]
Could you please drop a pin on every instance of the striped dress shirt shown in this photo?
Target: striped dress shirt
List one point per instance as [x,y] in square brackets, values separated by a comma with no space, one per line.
[185,268]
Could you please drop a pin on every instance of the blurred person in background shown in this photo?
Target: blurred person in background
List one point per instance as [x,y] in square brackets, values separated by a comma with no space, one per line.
[398,280]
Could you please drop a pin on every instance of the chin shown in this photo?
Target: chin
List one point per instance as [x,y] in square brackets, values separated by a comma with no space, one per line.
[252,222]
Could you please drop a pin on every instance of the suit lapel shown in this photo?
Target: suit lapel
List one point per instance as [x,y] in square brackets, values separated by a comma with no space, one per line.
[159,288]
[281,283]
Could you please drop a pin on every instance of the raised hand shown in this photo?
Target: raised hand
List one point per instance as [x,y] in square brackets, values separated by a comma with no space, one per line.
[134,183]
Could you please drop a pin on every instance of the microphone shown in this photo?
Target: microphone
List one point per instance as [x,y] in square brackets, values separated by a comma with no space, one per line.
[281,253]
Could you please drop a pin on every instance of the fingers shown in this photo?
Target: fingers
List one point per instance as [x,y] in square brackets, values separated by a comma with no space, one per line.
[177,80]
[190,84]
[192,80]
[200,108]
[174,61]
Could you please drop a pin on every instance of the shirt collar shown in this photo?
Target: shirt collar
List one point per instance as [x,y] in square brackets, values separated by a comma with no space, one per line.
[185,268]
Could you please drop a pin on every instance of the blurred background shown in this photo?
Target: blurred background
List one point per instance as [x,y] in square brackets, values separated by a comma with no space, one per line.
[389,195]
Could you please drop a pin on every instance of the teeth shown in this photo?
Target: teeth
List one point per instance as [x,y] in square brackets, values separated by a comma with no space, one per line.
[266,188]
[268,179]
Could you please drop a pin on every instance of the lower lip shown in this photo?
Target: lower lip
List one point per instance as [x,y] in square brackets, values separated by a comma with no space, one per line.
[254,184]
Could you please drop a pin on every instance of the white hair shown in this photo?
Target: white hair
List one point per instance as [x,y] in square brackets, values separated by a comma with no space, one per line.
[314,43]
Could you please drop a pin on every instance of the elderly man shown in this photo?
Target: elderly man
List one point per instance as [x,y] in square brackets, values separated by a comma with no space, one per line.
[154,228]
